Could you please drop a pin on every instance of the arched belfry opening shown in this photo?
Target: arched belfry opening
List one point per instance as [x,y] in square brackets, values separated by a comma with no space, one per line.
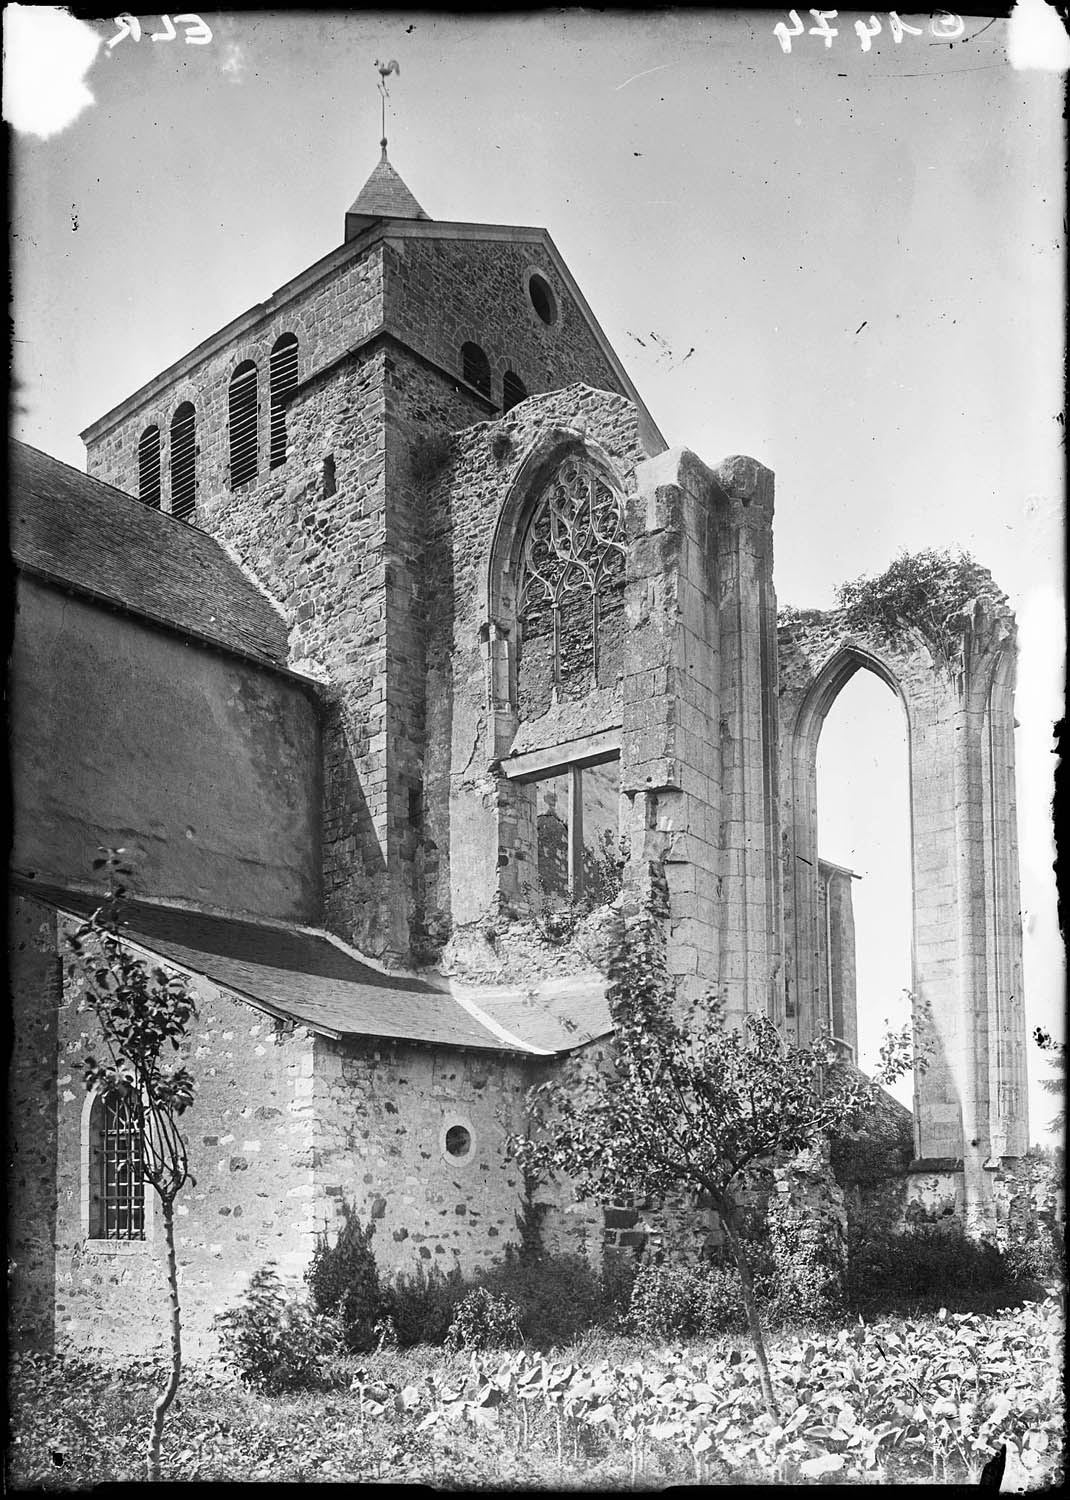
[865,972]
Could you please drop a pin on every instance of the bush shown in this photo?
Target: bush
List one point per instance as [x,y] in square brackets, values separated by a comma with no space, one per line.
[344,1282]
[484,1320]
[923,1264]
[422,1305]
[619,1270]
[275,1343]
[686,1301]
[558,1296]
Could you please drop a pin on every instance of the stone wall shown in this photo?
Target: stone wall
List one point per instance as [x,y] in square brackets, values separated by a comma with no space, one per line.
[250,1136]
[204,767]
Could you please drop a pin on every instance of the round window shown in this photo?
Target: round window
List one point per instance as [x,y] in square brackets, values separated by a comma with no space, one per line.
[458,1141]
[542,299]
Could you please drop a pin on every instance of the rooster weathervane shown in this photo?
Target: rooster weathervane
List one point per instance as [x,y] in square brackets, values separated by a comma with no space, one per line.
[385,69]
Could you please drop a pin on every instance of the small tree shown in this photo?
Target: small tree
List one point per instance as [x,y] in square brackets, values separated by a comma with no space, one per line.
[686,1103]
[1055,1083]
[141,1011]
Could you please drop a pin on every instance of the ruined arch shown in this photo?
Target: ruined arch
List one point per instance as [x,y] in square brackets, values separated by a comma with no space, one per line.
[966,947]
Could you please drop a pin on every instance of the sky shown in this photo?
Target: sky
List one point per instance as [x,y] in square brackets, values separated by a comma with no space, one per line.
[845,259]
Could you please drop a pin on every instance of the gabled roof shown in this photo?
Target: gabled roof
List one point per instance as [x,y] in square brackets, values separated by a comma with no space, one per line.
[385,196]
[311,977]
[87,536]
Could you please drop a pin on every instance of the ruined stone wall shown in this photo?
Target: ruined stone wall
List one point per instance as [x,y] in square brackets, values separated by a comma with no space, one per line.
[441,293]
[35,981]
[250,1135]
[383,1112]
[203,766]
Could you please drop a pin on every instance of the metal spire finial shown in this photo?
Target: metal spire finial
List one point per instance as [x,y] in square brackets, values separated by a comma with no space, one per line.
[385,69]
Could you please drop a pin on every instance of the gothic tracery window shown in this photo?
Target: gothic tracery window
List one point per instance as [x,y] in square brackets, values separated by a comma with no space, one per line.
[570,589]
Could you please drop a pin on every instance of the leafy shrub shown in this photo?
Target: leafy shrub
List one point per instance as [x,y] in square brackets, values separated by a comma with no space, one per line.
[275,1343]
[484,1320]
[619,1270]
[923,1264]
[685,1301]
[344,1282]
[422,1305]
[557,1296]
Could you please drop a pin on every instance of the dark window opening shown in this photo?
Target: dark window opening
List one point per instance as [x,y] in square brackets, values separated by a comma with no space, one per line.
[458,1141]
[283,379]
[475,367]
[243,436]
[330,483]
[183,462]
[513,390]
[543,300]
[117,1191]
[577,819]
[148,467]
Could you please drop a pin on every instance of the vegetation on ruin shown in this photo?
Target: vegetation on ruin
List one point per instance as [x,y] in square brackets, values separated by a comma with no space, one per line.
[926,591]
[914,1399]
[143,1015]
[686,1103]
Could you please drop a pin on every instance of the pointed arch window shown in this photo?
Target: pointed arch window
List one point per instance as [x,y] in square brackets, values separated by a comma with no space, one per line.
[243,435]
[283,379]
[148,467]
[475,367]
[513,390]
[183,461]
[116,1182]
[570,588]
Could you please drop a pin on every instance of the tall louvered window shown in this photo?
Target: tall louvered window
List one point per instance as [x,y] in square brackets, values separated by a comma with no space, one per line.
[283,381]
[116,1187]
[183,462]
[148,467]
[513,390]
[475,367]
[243,424]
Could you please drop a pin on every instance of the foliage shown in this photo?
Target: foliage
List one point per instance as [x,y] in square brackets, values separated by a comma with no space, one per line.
[1036,1230]
[556,912]
[1055,1083]
[343,1280]
[685,1301]
[557,1296]
[484,1319]
[686,1103]
[924,1265]
[620,1268]
[422,1305]
[273,1342]
[141,1012]
[926,591]
[903,1401]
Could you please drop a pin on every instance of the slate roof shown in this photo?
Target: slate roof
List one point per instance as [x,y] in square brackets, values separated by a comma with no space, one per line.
[307,976]
[385,196]
[88,536]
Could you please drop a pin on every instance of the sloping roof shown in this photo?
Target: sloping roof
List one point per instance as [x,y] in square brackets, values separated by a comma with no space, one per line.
[90,537]
[554,1016]
[385,196]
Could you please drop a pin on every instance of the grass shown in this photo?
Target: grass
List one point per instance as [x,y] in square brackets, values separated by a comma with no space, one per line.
[75,1424]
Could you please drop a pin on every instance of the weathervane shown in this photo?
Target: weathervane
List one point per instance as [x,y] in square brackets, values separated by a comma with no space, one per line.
[385,69]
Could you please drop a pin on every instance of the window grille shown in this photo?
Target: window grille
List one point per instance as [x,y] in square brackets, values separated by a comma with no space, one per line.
[118,1202]
[283,379]
[475,367]
[513,390]
[570,589]
[148,467]
[183,462]
[243,436]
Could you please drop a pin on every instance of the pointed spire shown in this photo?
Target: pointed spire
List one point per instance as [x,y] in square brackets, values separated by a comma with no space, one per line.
[384,195]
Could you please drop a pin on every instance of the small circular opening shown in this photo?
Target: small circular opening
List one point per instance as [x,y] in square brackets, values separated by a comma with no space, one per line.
[458,1141]
[542,300]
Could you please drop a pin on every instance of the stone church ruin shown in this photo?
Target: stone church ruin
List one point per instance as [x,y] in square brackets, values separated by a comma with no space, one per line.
[389,637]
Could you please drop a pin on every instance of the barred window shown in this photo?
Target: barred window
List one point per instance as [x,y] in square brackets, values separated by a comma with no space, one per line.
[148,467]
[283,377]
[243,437]
[117,1189]
[475,367]
[183,461]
